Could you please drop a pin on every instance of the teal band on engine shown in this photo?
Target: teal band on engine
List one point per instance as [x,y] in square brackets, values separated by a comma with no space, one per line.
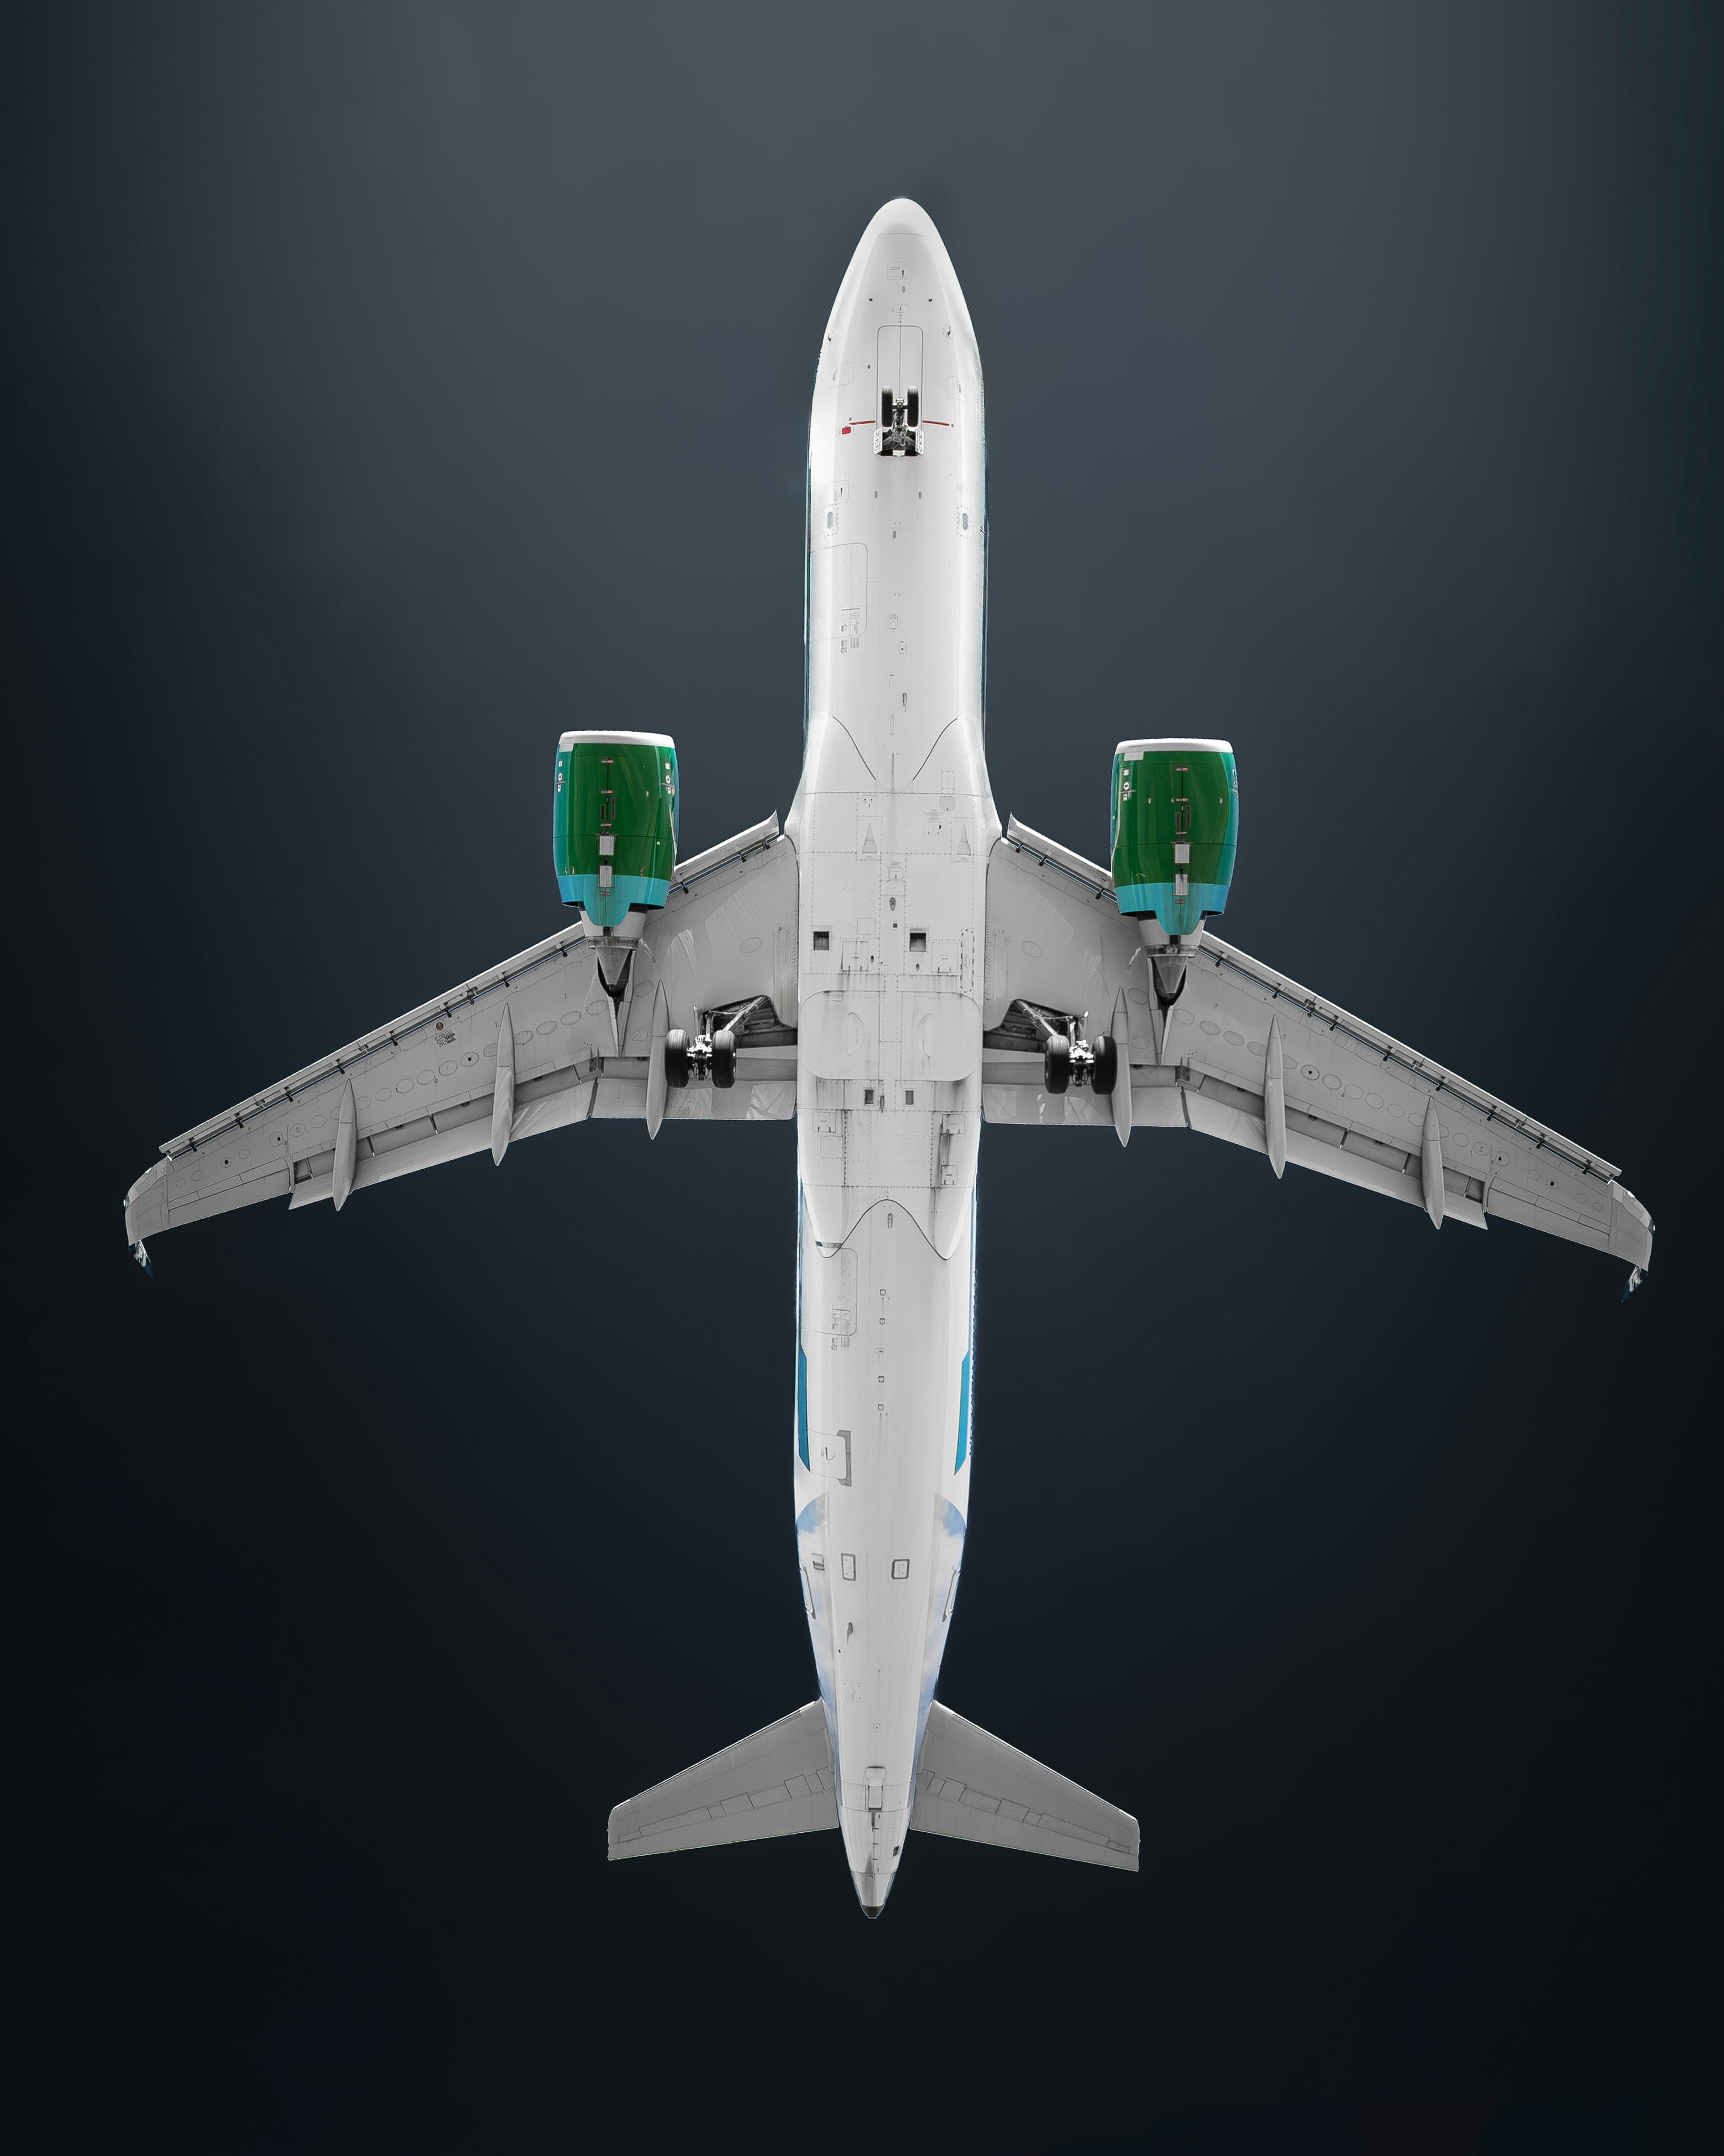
[1179,916]
[607,907]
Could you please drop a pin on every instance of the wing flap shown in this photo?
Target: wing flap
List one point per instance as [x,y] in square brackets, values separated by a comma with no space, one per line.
[1231,1112]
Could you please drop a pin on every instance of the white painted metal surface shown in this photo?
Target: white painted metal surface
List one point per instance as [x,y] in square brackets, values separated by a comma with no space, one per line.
[890,933]
[893,823]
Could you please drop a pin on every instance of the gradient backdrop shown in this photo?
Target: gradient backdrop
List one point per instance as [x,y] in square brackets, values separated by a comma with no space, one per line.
[386,388]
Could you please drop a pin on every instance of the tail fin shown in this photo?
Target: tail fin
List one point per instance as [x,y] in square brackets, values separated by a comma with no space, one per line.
[778,1781]
[971,1786]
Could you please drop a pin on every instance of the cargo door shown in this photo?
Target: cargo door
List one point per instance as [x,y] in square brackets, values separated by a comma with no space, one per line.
[838,594]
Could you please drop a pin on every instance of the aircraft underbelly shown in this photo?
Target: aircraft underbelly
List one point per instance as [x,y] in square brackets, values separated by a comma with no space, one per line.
[884,1403]
[892,824]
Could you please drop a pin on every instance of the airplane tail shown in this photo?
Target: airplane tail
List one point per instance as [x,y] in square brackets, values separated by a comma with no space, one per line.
[778,1781]
[972,1787]
[968,1785]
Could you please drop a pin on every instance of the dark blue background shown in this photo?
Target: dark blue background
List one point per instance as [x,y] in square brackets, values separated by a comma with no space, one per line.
[388,387]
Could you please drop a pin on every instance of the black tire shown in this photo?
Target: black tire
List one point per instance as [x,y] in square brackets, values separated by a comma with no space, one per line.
[724,1057]
[1105,1070]
[676,1057]
[1056,1064]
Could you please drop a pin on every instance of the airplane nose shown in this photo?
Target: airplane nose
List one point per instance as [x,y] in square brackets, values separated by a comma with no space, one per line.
[901,215]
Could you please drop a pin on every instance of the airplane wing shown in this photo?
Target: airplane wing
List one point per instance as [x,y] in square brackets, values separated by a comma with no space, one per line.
[1246,1055]
[539,1041]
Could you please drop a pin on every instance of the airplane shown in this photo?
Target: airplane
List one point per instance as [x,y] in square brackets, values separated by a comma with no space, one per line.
[894,968]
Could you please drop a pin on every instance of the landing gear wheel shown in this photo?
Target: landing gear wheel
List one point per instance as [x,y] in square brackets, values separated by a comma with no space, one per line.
[724,1057]
[676,1057]
[1056,1063]
[1104,1064]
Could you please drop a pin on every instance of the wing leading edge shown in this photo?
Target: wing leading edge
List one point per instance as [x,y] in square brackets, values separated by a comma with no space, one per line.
[533,1044]
[1352,1103]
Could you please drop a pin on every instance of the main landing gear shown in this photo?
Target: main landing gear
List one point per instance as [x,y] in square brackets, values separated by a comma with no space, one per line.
[710,1053]
[1069,1060]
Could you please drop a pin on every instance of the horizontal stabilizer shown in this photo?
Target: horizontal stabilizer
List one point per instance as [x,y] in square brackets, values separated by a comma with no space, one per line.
[971,1786]
[778,1781]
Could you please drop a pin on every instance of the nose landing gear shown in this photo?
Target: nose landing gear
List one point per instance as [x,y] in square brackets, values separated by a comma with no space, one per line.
[899,431]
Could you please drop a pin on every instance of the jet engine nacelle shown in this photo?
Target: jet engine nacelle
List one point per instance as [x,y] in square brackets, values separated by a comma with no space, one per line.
[614,825]
[1173,832]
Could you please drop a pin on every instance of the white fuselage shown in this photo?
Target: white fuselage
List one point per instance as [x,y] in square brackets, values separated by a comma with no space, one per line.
[892,824]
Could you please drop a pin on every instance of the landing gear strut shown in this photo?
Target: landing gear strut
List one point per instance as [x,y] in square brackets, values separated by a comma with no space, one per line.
[711,1054]
[899,431]
[1068,1058]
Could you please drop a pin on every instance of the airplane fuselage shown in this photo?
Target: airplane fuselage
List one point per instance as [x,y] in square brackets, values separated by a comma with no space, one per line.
[893,822]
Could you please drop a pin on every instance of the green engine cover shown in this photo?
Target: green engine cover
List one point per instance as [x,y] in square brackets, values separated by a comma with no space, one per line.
[1174,829]
[614,822]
